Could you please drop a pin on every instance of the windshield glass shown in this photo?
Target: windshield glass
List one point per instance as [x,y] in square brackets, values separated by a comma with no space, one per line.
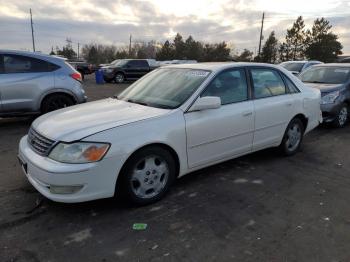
[115,61]
[293,66]
[119,62]
[165,87]
[326,75]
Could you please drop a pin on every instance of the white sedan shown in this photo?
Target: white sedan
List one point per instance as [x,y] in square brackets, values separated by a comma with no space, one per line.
[171,122]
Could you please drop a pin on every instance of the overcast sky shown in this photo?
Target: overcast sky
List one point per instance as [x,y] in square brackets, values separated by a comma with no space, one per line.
[111,22]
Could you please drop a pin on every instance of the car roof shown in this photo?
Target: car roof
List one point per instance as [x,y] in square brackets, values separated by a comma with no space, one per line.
[334,65]
[302,61]
[218,66]
[39,55]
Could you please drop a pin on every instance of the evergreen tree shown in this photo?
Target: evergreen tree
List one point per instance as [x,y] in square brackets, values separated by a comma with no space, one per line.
[245,56]
[296,40]
[167,52]
[270,50]
[323,45]
[180,47]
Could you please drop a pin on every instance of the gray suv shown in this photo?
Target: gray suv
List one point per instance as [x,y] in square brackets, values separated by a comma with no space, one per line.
[296,67]
[333,80]
[33,83]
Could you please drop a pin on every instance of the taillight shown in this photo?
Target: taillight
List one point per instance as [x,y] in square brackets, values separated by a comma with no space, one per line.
[76,76]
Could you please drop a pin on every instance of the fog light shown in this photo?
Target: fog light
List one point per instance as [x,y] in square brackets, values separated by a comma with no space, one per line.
[64,189]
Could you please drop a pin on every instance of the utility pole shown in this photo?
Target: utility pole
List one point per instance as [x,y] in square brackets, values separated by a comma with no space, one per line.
[31,24]
[261,33]
[130,45]
[78,50]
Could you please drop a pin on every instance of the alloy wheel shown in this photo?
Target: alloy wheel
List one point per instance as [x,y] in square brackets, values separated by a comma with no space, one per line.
[294,135]
[343,116]
[149,177]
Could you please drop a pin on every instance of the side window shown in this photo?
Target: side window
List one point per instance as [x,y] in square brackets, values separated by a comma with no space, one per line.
[1,64]
[143,63]
[267,83]
[230,86]
[23,64]
[133,63]
[290,85]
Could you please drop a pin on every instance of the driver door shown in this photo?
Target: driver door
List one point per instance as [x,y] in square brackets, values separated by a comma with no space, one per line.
[225,132]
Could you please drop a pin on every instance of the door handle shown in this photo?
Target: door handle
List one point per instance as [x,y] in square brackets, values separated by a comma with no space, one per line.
[289,104]
[248,113]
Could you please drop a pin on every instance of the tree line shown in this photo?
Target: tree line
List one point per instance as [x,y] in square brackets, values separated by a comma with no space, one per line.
[319,43]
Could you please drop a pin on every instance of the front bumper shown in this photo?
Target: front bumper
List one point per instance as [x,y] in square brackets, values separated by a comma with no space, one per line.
[108,76]
[94,180]
[330,111]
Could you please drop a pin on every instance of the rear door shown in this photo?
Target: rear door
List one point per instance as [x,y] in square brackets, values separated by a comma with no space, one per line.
[132,69]
[23,81]
[143,67]
[274,106]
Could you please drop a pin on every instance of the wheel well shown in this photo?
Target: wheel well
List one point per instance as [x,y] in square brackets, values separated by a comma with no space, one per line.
[120,72]
[56,93]
[303,119]
[164,146]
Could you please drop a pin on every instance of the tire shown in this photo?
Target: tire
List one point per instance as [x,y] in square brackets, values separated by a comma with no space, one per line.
[56,101]
[342,117]
[119,78]
[147,176]
[292,138]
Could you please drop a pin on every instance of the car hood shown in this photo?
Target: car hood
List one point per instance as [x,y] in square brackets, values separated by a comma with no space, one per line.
[76,122]
[325,88]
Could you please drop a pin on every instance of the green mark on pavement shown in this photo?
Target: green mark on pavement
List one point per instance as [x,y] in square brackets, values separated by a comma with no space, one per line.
[139,226]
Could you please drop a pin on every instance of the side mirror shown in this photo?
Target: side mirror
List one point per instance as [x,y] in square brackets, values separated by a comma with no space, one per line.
[207,102]
[296,73]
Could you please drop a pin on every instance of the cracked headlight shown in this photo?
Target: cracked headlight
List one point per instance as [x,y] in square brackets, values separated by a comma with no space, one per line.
[79,152]
[330,98]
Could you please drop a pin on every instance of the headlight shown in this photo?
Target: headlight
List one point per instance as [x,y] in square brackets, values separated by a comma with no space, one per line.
[108,70]
[78,153]
[330,98]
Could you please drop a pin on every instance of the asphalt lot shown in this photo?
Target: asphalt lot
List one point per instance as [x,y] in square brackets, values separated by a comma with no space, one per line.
[262,207]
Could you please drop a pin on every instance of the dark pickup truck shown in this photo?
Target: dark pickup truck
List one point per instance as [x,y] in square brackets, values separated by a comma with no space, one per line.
[82,67]
[128,69]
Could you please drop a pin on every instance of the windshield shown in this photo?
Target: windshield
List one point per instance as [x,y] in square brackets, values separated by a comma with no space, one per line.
[165,87]
[326,75]
[119,62]
[293,66]
[115,61]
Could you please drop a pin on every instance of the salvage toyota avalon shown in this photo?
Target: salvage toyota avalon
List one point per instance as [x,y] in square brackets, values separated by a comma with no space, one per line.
[173,121]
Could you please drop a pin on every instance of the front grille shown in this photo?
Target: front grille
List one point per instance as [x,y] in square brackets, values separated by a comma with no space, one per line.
[39,143]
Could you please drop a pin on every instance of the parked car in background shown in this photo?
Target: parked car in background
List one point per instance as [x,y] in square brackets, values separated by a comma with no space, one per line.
[173,121]
[296,67]
[345,60]
[36,83]
[333,80]
[177,62]
[127,69]
[83,67]
[111,63]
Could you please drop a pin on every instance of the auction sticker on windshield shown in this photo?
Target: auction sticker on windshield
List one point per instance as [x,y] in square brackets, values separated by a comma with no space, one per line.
[197,73]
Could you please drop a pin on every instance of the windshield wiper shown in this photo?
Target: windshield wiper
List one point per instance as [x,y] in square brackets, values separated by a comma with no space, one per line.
[137,102]
[315,82]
